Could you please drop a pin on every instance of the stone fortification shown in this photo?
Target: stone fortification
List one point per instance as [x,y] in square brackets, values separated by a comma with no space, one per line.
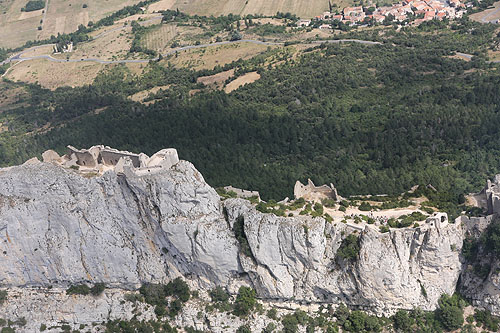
[312,192]
[492,195]
[99,159]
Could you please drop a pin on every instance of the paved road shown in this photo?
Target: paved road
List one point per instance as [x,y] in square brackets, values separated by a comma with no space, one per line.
[337,41]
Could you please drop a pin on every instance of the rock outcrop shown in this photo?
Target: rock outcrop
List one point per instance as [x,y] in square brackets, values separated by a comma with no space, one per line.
[59,227]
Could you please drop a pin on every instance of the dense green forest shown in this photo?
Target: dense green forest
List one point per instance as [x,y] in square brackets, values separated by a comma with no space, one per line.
[370,119]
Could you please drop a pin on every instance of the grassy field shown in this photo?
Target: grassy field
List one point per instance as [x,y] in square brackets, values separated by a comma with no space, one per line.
[302,8]
[488,15]
[210,57]
[53,75]
[63,16]
[241,81]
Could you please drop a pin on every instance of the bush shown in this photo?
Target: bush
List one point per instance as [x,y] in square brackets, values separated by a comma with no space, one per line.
[219,294]
[349,248]
[239,232]
[179,289]
[245,301]
[97,289]
[3,296]
[160,310]
[269,328]
[33,5]
[484,318]
[272,314]
[79,289]
[154,294]
[450,311]
[402,321]
[174,308]
[365,206]
[244,329]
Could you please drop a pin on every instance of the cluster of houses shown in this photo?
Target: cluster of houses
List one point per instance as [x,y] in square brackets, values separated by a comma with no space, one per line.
[417,11]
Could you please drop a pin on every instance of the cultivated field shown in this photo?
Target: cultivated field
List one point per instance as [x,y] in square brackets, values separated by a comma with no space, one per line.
[210,57]
[62,16]
[111,46]
[302,8]
[160,37]
[52,75]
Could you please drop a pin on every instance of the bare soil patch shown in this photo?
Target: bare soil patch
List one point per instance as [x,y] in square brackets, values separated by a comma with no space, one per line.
[142,95]
[216,80]
[53,75]
[241,81]
[28,15]
[161,5]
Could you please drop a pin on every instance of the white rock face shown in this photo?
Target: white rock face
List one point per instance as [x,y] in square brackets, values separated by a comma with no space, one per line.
[295,259]
[484,291]
[59,228]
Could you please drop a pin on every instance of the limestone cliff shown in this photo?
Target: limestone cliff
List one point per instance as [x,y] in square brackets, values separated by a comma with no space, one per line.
[59,228]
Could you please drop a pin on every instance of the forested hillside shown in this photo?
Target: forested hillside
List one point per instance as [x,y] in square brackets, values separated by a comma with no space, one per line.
[368,118]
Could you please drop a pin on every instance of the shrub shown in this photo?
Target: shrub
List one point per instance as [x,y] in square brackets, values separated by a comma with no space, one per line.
[318,208]
[43,327]
[245,301]
[33,5]
[79,289]
[179,289]
[484,318]
[365,206]
[450,311]
[3,296]
[402,321]
[160,310]
[239,232]
[349,248]
[243,329]
[272,314]
[97,289]
[154,294]
[269,328]
[174,308]
[219,294]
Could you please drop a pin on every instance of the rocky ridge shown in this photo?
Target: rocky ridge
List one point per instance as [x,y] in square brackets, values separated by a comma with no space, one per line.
[59,228]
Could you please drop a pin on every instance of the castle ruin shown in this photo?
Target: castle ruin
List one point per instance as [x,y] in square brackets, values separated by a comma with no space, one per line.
[311,192]
[99,159]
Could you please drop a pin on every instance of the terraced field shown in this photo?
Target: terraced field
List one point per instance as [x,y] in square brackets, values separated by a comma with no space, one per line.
[302,8]
[62,16]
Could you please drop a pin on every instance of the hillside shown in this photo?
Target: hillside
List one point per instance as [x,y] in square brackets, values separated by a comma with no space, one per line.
[58,16]
[301,8]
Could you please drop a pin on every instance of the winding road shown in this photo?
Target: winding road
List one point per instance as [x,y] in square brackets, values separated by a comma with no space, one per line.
[19,56]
